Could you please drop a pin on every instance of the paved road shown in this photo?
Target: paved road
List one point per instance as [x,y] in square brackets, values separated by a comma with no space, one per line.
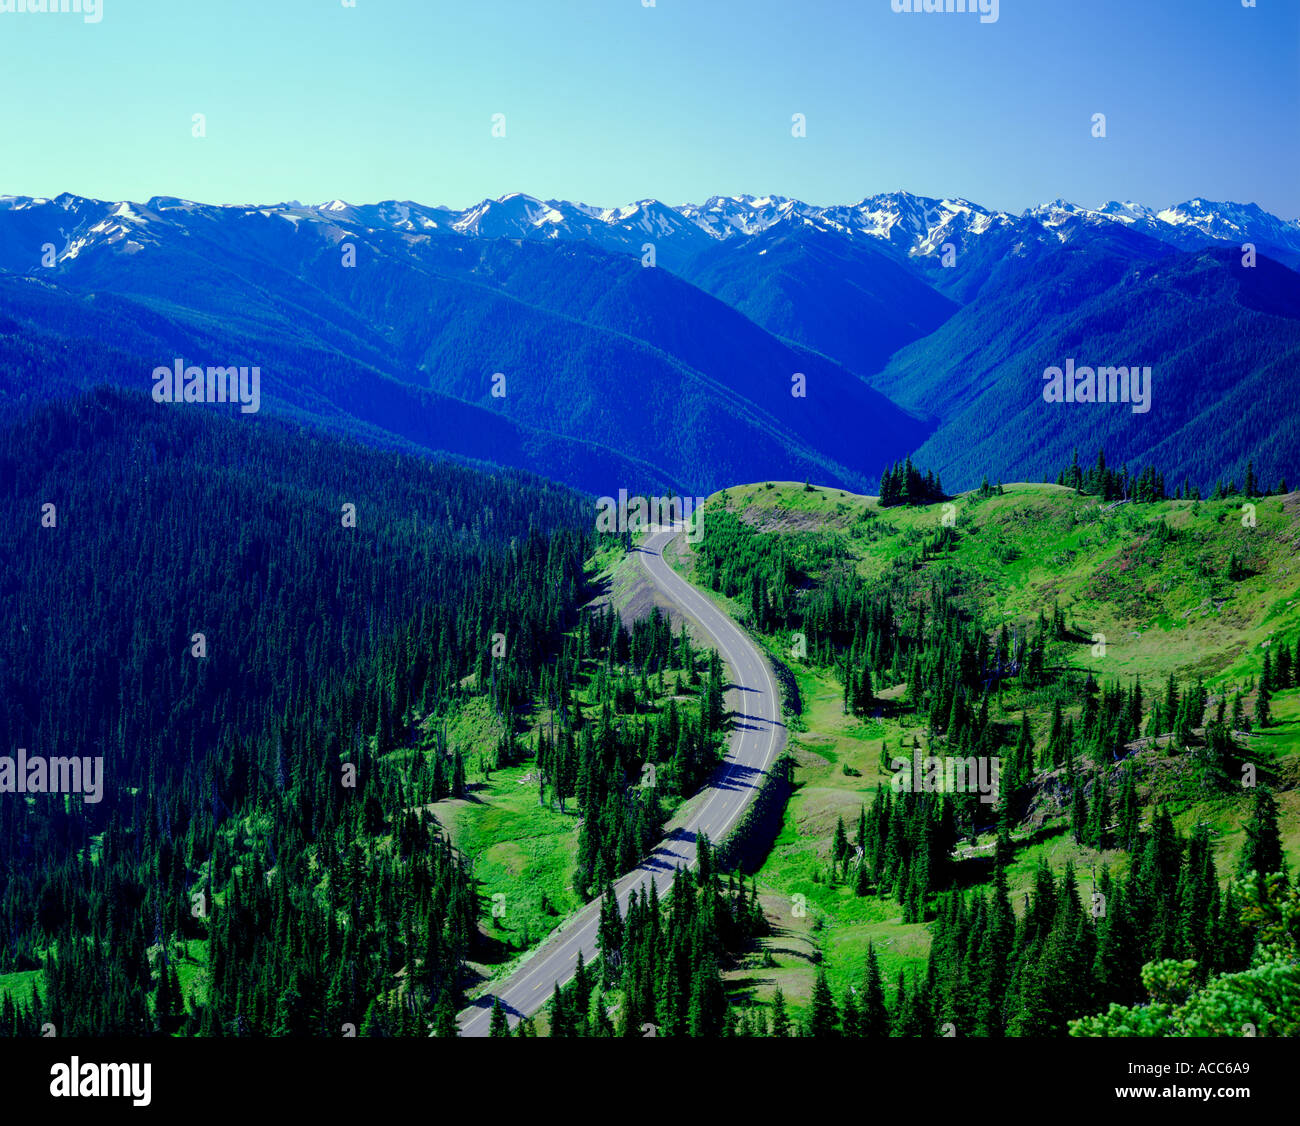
[755,744]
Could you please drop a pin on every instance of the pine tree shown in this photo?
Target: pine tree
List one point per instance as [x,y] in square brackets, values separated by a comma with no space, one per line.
[875,1016]
[708,1003]
[1129,813]
[445,1025]
[862,692]
[1263,707]
[1263,849]
[780,1018]
[1004,849]
[581,990]
[862,877]
[704,858]
[823,1019]
[561,1016]
[499,1026]
[840,847]
[851,1019]
[609,936]
[1282,678]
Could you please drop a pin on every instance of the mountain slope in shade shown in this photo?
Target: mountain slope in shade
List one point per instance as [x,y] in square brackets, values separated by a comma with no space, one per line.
[593,346]
[1223,343]
[54,344]
[689,349]
[939,301]
[849,301]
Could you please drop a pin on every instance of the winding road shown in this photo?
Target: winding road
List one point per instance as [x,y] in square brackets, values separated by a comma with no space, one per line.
[756,741]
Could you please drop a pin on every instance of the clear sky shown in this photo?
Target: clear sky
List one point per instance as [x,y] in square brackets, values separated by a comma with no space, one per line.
[608,101]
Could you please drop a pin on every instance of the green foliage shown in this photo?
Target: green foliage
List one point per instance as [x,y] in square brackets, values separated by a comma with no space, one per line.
[1111,485]
[666,959]
[903,483]
[1263,1000]
[255,816]
[1263,850]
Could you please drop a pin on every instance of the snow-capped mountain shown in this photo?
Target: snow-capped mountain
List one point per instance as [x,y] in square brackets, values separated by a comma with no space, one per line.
[910,347]
[904,225]
[1189,225]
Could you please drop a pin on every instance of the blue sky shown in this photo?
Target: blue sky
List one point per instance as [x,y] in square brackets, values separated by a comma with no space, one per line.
[607,101]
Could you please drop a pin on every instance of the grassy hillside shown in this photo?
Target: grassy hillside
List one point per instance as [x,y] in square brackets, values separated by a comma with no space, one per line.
[1156,580]
[522,850]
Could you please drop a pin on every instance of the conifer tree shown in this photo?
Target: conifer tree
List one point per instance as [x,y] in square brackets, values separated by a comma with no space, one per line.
[840,847]
[498,1026]
[562,1024]
[1129,813]
[850,1019]
[1262,852]
[823,1019]
[458,774]
[1263,706]
[1099,815]
[780,1018]
[445,1020]
[875,1017]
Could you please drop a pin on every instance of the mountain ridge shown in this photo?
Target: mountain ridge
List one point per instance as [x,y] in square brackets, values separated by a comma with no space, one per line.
[911,224]
[918,325]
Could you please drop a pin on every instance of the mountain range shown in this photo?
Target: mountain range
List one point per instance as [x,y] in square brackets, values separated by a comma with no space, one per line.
[903,224]
[774,340]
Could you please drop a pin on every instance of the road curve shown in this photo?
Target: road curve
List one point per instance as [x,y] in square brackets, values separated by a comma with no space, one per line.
[756,742]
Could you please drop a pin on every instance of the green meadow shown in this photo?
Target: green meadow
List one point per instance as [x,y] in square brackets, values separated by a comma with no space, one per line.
[1148,591]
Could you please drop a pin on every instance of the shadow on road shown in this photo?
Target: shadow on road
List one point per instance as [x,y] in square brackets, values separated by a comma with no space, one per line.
[666,858]
[483,1003]
[736,777]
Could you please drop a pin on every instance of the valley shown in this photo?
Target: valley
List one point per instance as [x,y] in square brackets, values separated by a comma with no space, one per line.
[393,323]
